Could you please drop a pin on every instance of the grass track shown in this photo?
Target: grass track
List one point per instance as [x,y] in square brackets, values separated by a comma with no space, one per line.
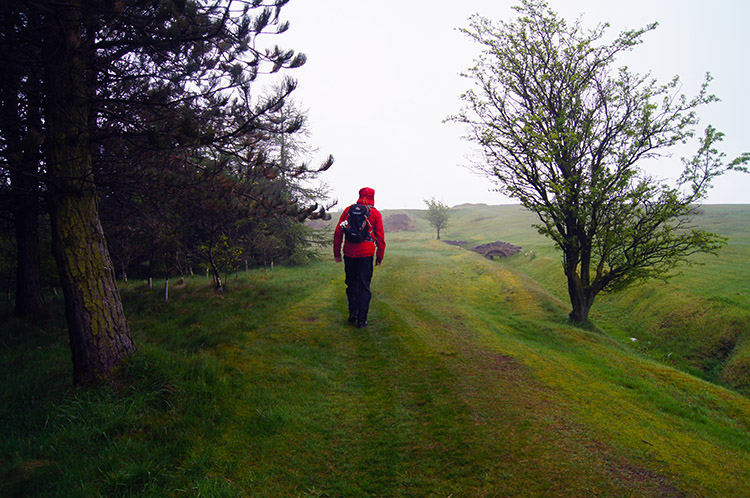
[417,409]
[467,383]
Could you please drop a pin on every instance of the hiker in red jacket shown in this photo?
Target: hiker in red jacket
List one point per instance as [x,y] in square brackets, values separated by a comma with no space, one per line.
[358,256]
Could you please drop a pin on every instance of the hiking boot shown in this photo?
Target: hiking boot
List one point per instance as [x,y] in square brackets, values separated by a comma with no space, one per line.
[361,324]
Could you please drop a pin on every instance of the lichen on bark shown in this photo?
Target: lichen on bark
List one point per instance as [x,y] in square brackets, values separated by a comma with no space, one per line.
[99,333]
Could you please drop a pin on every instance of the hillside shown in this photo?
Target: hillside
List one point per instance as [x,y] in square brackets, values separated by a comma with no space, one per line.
[468,382]
[698,321]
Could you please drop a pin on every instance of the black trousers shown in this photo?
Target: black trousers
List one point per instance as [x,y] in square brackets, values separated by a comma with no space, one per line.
[358,278]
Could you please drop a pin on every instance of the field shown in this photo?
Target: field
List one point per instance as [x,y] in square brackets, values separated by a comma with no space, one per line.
[469,382]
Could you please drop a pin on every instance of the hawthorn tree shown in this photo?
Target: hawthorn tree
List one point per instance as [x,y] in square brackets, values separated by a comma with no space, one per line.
[565,132]
[437,215]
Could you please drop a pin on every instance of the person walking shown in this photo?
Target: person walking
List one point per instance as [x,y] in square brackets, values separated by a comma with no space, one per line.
[359,250]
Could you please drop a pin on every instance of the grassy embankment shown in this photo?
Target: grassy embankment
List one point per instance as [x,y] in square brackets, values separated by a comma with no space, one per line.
[699,321]
[469,382]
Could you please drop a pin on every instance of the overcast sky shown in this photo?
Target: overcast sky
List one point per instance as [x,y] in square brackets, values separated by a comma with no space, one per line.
[382,76]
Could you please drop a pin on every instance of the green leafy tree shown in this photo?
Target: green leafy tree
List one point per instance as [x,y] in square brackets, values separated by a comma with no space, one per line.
[437,215]
[565,133]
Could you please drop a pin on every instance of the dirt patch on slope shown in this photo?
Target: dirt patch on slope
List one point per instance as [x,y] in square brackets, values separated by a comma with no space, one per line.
[399,222]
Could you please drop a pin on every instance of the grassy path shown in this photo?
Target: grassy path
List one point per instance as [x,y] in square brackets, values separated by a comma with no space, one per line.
[442,396]
[467,383]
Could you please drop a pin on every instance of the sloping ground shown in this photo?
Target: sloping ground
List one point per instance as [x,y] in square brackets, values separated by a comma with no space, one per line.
[698,321]
[626,405]
[468,382]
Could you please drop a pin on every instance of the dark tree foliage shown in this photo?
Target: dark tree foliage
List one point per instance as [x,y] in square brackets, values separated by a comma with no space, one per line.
[565,133]
[149,127]
[202,204]
[20,148]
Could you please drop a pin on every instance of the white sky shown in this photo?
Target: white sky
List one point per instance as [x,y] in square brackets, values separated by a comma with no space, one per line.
[382,76]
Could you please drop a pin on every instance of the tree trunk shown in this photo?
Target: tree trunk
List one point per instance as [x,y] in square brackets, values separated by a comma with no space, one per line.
[28,275]
[9,285]
[217,276]
[578,272]
[581,299]
[99,334]
[180,268]
[21,133]
[215,271]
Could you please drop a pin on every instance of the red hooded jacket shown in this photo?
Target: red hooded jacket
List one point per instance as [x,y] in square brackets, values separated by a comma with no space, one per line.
[366,248]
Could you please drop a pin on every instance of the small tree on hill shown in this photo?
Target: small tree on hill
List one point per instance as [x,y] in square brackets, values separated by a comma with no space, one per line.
[437,215]
[564,133]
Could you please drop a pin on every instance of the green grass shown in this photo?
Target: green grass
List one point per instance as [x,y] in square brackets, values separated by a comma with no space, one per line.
[468,382]
[698,321]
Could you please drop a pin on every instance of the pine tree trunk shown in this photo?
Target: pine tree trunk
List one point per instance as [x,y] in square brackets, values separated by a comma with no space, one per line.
[28,275]
[21,133]
[99,334]
[150,279]
[9,286]
[180,268]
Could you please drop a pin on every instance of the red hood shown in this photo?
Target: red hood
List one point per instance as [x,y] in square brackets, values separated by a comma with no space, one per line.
[366,196]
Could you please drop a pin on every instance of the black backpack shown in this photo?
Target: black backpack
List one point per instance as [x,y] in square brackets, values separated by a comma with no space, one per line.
[356,227]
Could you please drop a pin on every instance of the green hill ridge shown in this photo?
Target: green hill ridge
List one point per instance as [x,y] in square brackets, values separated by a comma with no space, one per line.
[468,382]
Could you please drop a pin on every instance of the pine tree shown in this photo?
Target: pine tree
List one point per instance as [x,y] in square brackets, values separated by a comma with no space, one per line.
[166,84]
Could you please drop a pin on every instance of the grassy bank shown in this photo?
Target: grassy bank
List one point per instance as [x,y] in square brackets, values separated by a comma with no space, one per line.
[698,321]
[469,382]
